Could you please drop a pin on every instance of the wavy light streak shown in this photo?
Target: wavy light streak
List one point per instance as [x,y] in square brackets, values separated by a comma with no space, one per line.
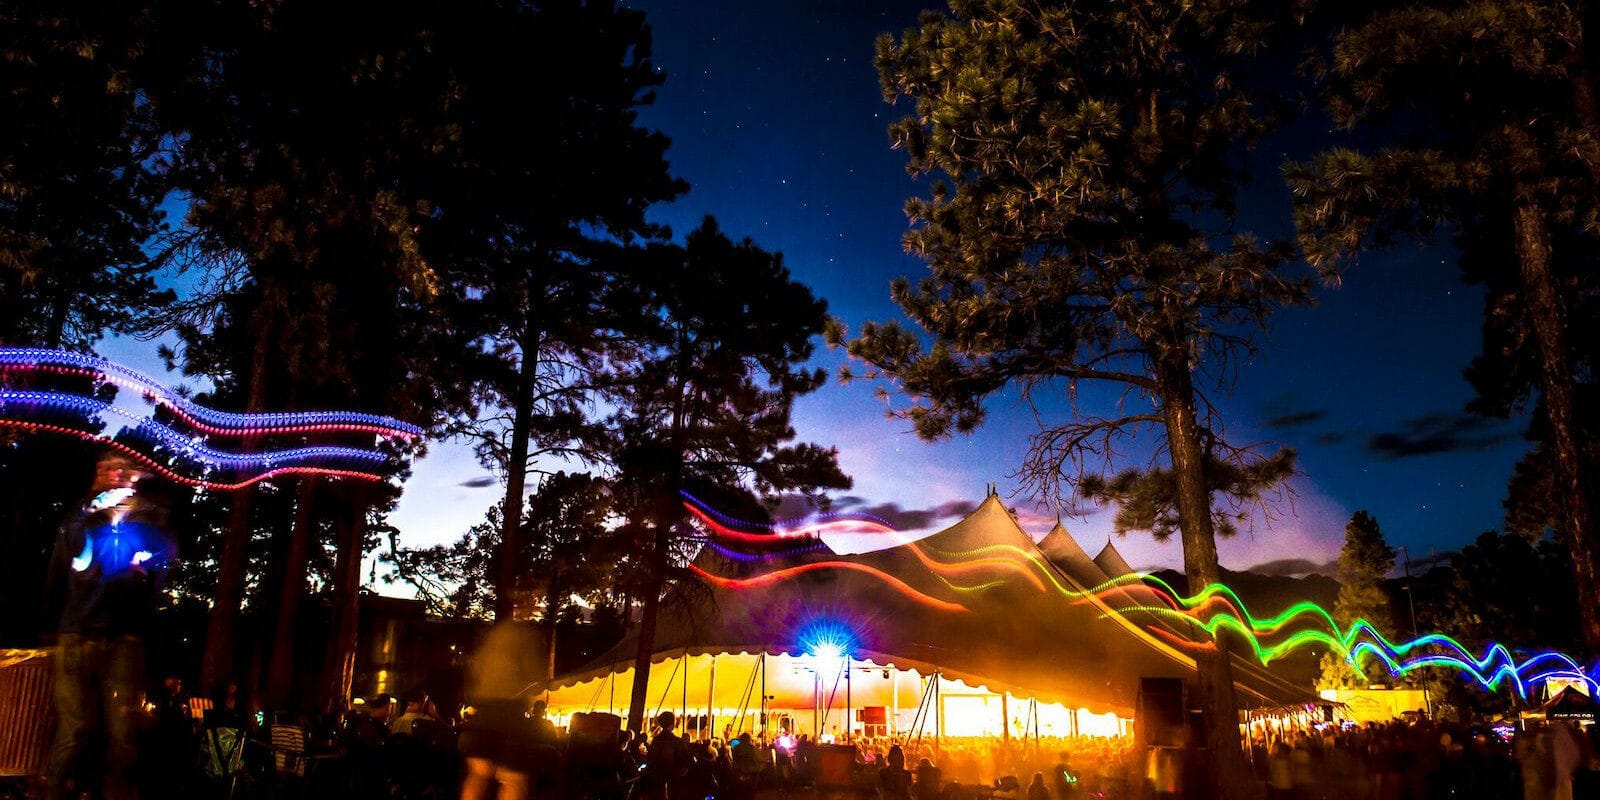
[186,447]
[792,522]
[1217,607]
[789,572]
[222,423]
[165,472]
[810,531]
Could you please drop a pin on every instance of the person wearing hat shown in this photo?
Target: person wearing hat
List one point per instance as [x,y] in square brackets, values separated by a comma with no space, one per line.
[113,554]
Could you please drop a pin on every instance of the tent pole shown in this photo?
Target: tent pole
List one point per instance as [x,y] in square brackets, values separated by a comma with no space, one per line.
[938,707]
[920,718]
[666,692]
[1005,716]
[611,699]
[744,700]
[683,725]
[849,718]
[816,705]
[894,703]
[711,701]
[763,694]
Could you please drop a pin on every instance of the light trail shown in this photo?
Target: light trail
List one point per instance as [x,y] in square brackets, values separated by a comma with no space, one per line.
[162,470]
[1217,608]
[184,447]
[792,522]
[202,418]
[783,574]
[811,531]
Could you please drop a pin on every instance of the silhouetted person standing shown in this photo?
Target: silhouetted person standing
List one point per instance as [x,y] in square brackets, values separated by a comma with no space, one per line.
[667,761]
[114,555]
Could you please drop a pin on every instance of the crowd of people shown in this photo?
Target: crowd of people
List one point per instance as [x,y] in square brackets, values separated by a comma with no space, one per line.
[401,748]
[1425,760]
[113,739]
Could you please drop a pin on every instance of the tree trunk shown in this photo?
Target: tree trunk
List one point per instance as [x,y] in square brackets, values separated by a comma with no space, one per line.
[1556,384]
[647,632]
[668,513]
[216,665]
[340,668]
[1230,776]
[56,332]
[508,562]
[280,673]
[552,605]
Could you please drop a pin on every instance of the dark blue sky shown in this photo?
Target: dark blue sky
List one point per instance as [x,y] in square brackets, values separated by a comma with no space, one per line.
[779,125]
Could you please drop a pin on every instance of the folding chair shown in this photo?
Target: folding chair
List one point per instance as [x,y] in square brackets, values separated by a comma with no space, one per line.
[222,754]
[289,750]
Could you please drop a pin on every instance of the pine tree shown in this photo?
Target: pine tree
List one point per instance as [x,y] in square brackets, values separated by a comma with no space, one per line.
[1365,562]
[1081,232]
[706,404]
[1485,116]
[81,230]
[81,180]
[538,212]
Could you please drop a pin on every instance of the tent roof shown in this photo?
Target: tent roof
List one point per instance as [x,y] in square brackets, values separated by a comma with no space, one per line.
[1111,562]
[953,601]
[1571,702]
[1065,552]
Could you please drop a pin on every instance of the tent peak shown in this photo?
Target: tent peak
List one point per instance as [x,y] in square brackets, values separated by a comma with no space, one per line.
[1111,561]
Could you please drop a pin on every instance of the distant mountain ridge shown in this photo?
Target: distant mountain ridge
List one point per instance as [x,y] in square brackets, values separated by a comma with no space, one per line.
[1296,568]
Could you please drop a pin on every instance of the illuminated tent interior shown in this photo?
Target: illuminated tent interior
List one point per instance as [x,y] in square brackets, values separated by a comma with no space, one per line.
[1010,630]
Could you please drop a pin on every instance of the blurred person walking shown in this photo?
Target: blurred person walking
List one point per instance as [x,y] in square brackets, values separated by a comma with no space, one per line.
[113,554]
[499,741]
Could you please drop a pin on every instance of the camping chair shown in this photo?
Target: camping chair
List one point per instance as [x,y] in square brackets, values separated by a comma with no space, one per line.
[222,756]
[288,750]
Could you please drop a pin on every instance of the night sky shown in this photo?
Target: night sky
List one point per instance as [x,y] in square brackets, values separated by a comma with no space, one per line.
[778,124]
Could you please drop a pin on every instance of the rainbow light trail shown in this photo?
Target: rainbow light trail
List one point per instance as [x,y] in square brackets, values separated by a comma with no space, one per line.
[1494,669]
